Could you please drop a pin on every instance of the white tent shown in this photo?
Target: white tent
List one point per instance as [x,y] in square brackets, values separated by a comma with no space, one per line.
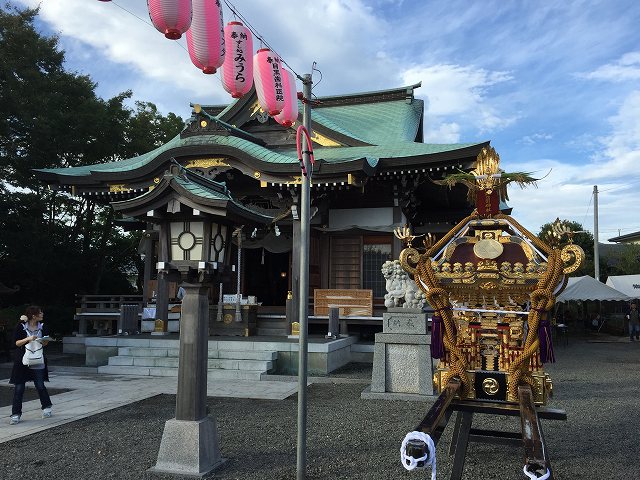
[588,288]
[627,284]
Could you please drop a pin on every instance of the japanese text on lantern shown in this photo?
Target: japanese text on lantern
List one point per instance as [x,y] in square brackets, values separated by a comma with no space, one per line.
[277,79]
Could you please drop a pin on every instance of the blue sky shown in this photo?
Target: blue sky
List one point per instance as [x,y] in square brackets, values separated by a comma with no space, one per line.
[555,85]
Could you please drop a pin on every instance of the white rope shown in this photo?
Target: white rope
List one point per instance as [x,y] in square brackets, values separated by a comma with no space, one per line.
[486,310]
[534,476]
[410,463]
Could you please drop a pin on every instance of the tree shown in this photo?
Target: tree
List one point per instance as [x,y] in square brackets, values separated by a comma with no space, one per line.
[622,260]
[583,239]
[52,244]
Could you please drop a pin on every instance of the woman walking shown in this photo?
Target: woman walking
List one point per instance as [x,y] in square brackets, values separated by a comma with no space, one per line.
[28,330]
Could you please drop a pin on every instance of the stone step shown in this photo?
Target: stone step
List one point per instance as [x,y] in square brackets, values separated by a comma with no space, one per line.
[173,372]
[172,362]
[175,352]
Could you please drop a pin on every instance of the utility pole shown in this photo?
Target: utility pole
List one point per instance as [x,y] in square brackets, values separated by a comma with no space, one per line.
[596,254]
[303,296]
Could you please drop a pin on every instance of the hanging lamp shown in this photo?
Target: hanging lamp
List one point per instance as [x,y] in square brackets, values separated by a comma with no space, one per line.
[289,113]
[237,69]
[205,37]
[267,76]
[170,17]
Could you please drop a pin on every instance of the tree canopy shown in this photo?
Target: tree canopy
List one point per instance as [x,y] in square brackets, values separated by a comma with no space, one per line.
[53,245]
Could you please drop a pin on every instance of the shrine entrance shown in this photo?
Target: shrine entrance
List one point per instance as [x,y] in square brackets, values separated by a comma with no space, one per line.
[266,276]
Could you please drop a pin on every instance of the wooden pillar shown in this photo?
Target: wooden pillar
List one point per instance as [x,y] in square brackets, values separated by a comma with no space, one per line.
[325,263]
[398,219]
[162,300]
[148,264]
[295,275]
[162,295]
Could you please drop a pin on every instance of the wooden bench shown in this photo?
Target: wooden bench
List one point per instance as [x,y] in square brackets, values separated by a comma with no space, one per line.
[350,302]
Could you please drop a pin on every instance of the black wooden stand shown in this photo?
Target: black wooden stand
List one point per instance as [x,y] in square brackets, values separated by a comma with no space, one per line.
[436,420]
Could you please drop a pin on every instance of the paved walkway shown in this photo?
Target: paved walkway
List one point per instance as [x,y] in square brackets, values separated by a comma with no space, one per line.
[92,394]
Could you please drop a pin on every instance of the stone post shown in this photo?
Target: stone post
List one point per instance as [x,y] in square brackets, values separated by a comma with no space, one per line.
[402,356]
[189,443]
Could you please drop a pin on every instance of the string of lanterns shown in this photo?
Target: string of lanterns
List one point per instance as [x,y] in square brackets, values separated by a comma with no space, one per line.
[212,45]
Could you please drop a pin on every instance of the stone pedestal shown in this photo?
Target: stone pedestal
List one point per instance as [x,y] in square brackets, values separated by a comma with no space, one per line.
[189,448]
[401,358]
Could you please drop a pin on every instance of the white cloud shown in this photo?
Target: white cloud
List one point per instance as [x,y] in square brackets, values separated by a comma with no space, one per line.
[457,94]
[627,68]
[442,133]
[536,138]
[621,154]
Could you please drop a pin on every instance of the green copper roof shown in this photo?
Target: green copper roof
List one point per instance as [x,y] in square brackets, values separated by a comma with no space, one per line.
[390,121]
[118,166]
[201,190]
[372,153]
[129,164]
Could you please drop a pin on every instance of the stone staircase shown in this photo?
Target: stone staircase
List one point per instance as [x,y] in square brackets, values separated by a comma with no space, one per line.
[223,364]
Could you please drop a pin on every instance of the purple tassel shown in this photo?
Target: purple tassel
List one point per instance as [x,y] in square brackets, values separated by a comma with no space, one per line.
[437,340]
[546,342]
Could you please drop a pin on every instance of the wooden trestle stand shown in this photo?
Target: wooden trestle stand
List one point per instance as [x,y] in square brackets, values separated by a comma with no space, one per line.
[531,437]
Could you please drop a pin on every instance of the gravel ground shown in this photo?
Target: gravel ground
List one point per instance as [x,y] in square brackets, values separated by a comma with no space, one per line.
[350,438]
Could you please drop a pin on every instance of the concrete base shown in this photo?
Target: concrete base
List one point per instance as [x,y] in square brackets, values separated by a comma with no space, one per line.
[189,448]
[367,394]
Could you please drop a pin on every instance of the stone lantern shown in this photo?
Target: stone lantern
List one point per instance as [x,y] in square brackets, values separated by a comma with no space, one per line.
[195,218]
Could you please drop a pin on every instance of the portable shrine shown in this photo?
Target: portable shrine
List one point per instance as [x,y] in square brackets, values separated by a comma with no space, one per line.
[492,285]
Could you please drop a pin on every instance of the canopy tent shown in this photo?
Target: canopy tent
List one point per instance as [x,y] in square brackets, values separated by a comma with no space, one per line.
[588,288]
[627,284]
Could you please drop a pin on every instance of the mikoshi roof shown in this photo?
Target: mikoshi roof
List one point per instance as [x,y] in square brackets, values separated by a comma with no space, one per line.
[627,284]
[588,288]
[363,132]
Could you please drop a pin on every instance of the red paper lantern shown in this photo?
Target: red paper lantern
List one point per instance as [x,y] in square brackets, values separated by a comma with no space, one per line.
[237,69]
[170,17]
[205,37]
[267,76]
[289,113]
